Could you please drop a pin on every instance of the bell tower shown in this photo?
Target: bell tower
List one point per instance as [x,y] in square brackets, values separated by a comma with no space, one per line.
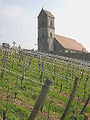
[46,31]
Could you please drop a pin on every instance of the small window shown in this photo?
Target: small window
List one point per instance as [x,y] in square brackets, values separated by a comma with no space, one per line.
[51,23]
[50,34]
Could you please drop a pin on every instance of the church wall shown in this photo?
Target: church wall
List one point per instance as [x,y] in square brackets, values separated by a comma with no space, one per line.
[46,32]
[50,42]
[51,22]
[42,44]
[51,32]
[42,17]
[42,32]
[82,56]
[58,47]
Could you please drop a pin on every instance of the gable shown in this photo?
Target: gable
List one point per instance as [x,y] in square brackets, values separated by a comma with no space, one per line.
[45,13]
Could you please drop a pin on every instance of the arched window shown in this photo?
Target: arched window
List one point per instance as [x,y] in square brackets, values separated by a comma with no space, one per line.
[50,34]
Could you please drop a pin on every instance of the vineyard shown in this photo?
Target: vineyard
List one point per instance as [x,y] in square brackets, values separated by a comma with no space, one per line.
[43,87]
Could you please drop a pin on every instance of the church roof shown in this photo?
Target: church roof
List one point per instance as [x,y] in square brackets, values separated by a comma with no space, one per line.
[70,44]
[48,13]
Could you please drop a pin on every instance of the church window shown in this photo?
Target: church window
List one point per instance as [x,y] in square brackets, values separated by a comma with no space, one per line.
[50,34]
[51,23]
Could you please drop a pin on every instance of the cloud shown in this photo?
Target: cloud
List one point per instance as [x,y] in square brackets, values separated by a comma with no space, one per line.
[17,24]
[9,10]
[18,20]
[12,11]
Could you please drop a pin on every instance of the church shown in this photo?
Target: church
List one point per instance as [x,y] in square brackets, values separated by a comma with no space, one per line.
[48,41]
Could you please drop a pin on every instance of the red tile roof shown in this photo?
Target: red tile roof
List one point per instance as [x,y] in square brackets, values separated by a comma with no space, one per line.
[70,43]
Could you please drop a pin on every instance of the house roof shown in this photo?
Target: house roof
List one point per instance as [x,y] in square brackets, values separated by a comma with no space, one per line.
[70,44]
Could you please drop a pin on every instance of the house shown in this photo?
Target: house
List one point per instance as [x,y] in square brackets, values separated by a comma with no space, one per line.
[5,45]
[49,41]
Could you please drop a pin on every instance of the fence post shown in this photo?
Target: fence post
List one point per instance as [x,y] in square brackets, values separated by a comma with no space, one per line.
[70,99]
[55,68]
[29,62]
[41,72]
[85,105]
[39,63]
[61,87]
[85,85]
[40,100]
[23,75]
[4,115]
[4,65]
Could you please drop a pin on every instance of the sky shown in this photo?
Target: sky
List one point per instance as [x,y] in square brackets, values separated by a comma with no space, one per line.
[18,20]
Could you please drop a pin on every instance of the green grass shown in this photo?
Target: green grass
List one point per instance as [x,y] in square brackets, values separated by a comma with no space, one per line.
[28,92]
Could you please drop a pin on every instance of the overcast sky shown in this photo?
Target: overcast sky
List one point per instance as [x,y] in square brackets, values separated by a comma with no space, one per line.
[18,20]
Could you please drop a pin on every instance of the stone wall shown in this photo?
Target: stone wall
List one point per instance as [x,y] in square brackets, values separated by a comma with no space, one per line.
[82,56]
[58,47]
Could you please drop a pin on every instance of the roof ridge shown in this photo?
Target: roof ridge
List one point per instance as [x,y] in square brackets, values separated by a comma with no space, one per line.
[67,37]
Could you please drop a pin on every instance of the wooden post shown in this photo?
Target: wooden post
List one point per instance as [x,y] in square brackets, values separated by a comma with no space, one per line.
[4,65]
[29,62]
[4,115]
[23,72]
[41,72]
[19,60]
[16,94]
[85,85]
[85,105]
[40,100]
[55,68]
[39,63]
[70,99]
[73,71]
[3,59]
[8,92]
[61,88]
[82,75]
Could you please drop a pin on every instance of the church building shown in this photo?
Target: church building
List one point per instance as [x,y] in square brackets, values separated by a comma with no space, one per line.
[49,41]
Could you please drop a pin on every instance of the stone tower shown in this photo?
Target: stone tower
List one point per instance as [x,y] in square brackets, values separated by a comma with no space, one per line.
[46,31]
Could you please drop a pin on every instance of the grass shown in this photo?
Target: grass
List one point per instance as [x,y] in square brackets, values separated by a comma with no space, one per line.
[28,92]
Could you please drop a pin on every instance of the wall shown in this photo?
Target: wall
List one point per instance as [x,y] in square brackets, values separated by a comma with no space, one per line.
[82,56]
[58,47]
